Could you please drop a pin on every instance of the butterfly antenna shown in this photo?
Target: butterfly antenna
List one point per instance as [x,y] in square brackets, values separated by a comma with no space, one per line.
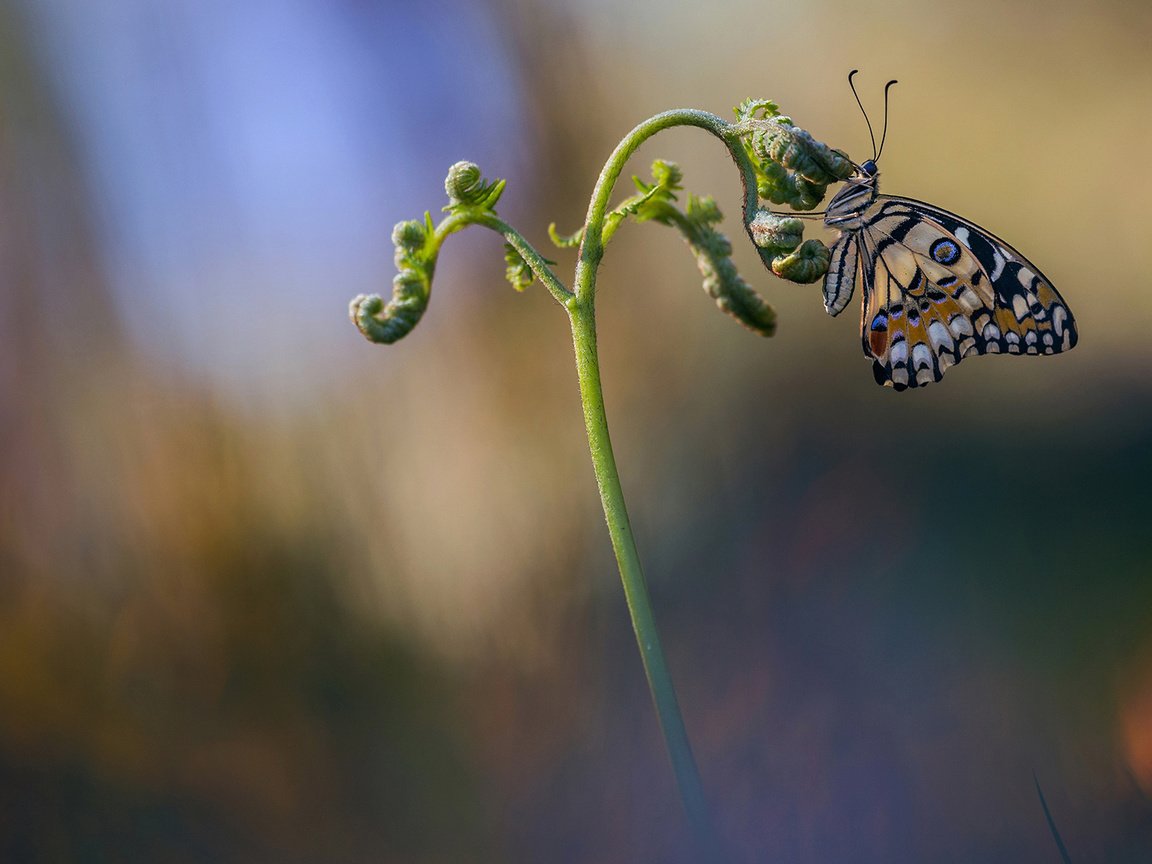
[871,135]
[884,134]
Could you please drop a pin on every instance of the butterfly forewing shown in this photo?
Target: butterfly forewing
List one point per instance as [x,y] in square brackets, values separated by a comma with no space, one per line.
[844,275]
[936,289]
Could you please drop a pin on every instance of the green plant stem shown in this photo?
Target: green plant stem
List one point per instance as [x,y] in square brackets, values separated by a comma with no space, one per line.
[635,588]
[528,252]
[581,308]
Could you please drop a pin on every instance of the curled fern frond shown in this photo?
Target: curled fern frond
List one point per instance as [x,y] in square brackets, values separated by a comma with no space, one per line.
[466,188]
[409,235]
[796,150]
[777,238]
[791,166]
[416,250]
[777,184]
[737,298]
[776,234]
[388,323]
[807,264]
[411,240]
[722,281]
[416,244]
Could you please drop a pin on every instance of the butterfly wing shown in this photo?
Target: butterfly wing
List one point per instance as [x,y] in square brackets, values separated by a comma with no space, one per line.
[938,288]
[845,274]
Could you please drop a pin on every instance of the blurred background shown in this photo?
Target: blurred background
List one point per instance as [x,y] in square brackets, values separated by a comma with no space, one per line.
[271,593]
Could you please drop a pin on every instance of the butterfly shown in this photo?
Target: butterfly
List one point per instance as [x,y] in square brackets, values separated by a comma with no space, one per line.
[936,288]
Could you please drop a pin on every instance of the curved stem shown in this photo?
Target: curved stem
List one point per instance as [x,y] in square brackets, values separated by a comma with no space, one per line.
[582,312]
[540,268]
[535,260]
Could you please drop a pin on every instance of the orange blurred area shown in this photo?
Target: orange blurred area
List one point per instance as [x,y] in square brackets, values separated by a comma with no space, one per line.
[271,593]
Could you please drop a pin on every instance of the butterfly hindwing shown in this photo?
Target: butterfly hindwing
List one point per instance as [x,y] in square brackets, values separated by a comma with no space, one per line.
[938,288]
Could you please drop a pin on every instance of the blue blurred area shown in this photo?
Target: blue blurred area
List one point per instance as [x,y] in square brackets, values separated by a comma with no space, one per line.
[247,161]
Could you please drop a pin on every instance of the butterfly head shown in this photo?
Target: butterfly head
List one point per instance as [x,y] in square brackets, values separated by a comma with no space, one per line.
[847,206]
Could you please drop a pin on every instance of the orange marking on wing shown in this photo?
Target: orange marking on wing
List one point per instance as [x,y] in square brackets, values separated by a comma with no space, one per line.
[878,342]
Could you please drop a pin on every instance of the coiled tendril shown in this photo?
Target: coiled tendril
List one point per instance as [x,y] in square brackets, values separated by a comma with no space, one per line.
[791,168]
[416,249]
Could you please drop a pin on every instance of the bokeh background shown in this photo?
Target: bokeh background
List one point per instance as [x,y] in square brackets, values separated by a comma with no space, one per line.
[270,593]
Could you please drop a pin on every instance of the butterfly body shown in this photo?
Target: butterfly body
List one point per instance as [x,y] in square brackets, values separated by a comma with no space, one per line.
[936,288]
